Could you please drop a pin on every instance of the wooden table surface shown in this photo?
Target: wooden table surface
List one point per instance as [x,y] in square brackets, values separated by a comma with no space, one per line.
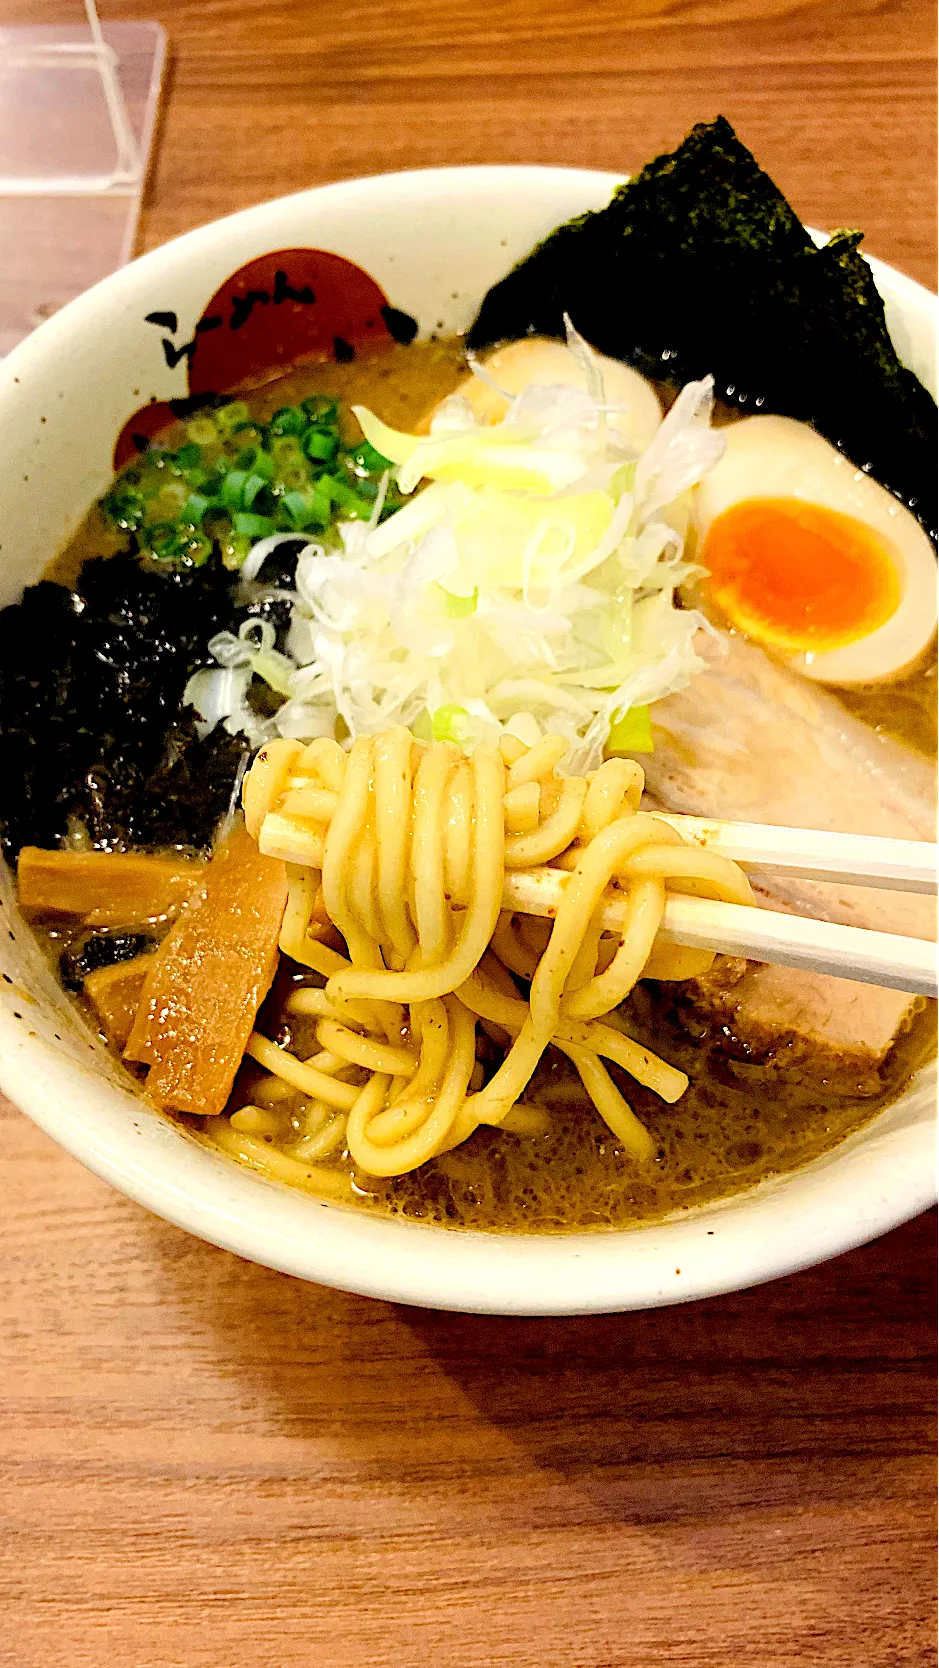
[207,1465]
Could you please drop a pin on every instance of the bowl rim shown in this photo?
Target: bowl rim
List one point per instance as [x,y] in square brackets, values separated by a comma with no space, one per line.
[417,1263]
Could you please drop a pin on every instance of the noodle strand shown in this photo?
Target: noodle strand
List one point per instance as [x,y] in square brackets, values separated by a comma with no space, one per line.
[414,841]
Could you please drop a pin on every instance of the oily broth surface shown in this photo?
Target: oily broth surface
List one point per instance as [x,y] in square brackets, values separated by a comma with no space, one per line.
[735,1125]
[402,384]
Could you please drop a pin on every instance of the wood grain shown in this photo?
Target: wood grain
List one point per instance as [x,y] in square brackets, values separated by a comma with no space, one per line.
[206,1464]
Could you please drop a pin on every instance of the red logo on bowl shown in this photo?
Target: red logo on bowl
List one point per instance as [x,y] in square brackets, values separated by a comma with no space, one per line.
[282,309]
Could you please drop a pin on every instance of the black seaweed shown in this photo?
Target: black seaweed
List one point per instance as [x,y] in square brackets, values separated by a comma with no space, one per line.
[276,573]
[698,266]
[279,568]
[93,733]
[100,949]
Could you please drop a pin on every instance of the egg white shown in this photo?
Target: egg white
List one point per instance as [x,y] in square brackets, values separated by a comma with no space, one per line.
[545,363]
[777,457]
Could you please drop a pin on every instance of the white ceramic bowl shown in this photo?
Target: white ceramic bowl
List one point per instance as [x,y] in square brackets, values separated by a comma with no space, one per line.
[434,241]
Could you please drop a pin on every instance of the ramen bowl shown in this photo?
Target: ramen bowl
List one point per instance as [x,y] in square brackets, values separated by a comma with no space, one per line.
[426,246]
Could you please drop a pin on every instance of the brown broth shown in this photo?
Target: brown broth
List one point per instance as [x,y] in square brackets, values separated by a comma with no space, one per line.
[736,1124]
[402,384]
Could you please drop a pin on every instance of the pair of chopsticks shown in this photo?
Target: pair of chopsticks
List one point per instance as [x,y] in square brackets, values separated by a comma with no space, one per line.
[872,958]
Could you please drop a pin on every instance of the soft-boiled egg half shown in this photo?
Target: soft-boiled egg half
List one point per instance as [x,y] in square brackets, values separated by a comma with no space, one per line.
[813,559]
[538,361]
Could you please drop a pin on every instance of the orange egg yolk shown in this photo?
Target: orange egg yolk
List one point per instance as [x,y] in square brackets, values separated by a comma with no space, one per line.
[799,575]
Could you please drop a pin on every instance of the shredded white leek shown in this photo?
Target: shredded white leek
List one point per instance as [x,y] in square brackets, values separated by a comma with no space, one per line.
[537,572]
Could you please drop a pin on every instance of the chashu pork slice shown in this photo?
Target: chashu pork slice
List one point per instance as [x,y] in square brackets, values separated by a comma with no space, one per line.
[751,741]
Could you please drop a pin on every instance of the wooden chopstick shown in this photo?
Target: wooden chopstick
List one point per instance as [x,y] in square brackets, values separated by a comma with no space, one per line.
[813,854]
[870,958]
[806,853]
[873,958]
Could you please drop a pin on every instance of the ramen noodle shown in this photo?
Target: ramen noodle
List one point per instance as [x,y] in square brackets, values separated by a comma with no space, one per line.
[406,847]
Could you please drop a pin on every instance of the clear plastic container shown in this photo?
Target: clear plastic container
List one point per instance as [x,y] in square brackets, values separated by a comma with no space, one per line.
[78,106]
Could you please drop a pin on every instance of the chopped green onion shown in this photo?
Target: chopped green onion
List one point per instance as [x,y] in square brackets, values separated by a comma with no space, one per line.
[341,492]
[234,549]
[256,461]
[239,490]
[189,456]
[622,480]
[294,507]
[253,526]
[202,429]
[631,732]
[345,497]
[366,461]
[230,418]
[233,489]
[306,508]
[286,450]
[320,446]
[194,508]
[288,420]
[125,509]
[356,510]
[233,481]
[163,538]
[246,437]
[168,501]
[169,543]
[459,607]
[451,723]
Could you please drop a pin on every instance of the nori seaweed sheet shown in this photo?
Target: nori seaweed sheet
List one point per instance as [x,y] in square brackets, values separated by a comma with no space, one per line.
[93,732]
[699,266]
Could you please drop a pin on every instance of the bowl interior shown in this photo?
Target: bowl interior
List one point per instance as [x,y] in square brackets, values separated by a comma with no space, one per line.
[434,242]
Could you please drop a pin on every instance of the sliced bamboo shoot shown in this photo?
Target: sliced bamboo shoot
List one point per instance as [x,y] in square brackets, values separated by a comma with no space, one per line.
[105,888]
[114,995]
[208,979]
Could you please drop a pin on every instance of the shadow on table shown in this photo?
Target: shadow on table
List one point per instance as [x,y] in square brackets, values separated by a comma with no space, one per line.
[824,1377]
